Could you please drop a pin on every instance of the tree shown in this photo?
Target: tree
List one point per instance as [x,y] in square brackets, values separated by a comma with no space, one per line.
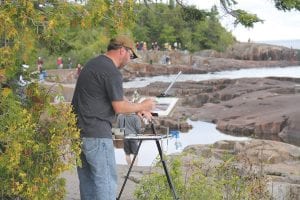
[241,16]
[40,140]
[168,34]
[154,24]
[27,25]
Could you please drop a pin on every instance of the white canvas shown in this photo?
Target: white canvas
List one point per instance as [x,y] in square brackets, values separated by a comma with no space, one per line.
[164,105]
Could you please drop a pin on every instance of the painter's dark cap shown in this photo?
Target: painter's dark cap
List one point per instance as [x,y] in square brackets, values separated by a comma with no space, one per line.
[126,41]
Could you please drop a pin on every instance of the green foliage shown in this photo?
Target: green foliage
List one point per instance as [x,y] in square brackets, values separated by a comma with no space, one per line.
[191,13]
[248,19]
[200,31]
[168,34]
[87,43]
[245,18]
[287,5]
[29,25]
[36,146]
[155,185]
[198,179]
[210,34]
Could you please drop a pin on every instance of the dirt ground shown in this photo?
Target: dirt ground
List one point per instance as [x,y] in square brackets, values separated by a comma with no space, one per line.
[72,182]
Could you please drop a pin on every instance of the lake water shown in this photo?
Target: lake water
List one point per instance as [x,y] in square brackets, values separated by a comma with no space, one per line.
[295,44]
[202,132]
[293,71]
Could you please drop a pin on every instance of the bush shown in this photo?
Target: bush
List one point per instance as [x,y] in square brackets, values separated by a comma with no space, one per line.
[200,180]
[38,141]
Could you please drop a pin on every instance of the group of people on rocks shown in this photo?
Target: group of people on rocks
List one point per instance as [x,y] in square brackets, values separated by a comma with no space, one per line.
[142,46]
[59,64]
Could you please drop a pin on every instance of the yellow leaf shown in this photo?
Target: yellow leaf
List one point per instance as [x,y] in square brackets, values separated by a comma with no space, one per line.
[2,72]
[22,174]
[6,91]
[51,24]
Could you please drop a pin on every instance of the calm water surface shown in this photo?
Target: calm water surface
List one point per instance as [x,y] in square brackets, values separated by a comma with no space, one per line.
[293,71]
[202,132]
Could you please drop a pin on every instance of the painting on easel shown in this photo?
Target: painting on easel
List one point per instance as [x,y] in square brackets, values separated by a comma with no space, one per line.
[164,105]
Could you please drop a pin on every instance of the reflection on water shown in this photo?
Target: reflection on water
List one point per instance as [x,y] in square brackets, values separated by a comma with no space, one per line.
[293,71]
[201,133]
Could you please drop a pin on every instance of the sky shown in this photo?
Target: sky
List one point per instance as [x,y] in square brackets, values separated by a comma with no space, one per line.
[278,25]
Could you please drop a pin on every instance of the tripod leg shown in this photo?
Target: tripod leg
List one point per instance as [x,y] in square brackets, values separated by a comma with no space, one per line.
[153,129]
[129,170]
[166,170]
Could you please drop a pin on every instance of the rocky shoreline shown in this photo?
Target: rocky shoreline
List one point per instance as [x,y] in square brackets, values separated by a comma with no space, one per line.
[277,162]
[260,108]
[267,108]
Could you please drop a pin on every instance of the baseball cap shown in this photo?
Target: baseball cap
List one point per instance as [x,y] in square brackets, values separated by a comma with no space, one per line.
[125,41]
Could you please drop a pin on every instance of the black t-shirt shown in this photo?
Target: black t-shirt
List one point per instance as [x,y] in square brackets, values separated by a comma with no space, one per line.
[99,83]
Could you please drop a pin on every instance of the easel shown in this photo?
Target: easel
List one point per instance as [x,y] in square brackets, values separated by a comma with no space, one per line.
[157,139]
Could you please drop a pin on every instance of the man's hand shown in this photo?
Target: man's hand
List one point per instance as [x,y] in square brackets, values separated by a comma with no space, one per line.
[145,115]
[148,104]
[125,106]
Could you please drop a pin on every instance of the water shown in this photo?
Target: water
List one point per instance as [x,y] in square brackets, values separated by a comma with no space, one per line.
[202,132]
[295,44]
[293,71]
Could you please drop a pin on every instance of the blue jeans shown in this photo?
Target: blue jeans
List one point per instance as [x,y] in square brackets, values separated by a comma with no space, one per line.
[98,175]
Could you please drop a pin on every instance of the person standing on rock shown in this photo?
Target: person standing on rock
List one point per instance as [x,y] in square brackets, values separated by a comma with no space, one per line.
[98,96]
[78,70]
[132,125]
[59,63]
[40,64]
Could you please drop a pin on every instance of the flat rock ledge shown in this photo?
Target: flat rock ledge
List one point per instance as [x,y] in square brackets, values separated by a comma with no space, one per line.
[279,162]
[72,182]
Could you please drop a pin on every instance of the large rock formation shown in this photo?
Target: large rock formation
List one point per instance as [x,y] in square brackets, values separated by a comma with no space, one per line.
[198,65]
[257,51]
[260,108]
[279,162]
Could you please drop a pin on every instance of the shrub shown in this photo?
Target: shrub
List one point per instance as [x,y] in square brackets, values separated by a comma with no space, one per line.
[198,179]
[38,141]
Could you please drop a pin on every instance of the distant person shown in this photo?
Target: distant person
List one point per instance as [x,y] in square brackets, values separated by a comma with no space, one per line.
[132,125]
[156,47]
[141,45]
[40,64]
[59,63]
[144,47]
[152,46]
[175,45]
[78,70]
[168,60]
[70,64]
